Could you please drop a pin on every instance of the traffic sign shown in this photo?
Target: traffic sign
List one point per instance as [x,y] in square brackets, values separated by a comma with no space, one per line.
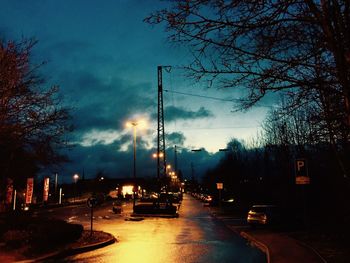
[91,202]
[301,172]
[219,186]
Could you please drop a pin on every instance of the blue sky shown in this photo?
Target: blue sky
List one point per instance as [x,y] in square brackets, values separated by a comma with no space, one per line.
[104,58]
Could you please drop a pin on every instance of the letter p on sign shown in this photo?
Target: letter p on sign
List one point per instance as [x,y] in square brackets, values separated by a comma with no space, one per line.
[300,165]
[301,173]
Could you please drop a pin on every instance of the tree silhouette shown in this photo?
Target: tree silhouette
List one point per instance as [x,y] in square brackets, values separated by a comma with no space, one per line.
[32,120]
[300,48]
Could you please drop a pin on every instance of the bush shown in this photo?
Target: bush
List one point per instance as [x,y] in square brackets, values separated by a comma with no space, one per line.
[54,232]
[15,238]
[40,233]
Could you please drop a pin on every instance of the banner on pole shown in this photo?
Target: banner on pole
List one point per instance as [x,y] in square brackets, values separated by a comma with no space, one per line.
[9,191]
[46,189]
[29,192]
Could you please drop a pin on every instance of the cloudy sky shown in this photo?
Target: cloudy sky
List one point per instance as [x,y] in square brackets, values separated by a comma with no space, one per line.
[104,58]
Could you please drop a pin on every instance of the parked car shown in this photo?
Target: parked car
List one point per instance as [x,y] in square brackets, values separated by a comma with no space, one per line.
[264,215]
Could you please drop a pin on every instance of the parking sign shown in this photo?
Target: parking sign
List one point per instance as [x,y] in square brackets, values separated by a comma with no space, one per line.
[301,172]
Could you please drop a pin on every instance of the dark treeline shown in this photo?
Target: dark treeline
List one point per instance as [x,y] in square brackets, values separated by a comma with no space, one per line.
[264,171]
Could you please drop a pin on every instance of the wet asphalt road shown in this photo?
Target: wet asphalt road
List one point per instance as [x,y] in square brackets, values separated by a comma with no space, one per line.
[193,237]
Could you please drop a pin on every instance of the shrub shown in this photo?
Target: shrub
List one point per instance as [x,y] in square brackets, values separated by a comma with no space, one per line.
[16,238]
[54,232]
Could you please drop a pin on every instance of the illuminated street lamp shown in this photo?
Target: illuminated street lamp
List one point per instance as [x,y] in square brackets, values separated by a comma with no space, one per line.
[155,155]
[133,124]
[75,178]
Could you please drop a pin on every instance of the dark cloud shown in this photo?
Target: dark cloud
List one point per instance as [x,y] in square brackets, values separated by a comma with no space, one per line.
[175,138]
[173,113]
[116,163]
[119,164]
[103,104]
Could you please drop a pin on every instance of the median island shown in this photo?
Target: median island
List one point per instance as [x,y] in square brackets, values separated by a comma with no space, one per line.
[23,237]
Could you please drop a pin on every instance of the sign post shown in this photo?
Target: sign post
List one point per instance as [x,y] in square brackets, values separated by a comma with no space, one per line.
[220,186]
[14,200]
[302,178]
[60,197]
[91,202]
[301,172]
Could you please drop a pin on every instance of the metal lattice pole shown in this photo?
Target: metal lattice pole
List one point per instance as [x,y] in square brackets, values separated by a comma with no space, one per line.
[161,156]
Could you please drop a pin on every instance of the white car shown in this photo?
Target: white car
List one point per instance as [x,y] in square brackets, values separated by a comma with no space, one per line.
[263,215]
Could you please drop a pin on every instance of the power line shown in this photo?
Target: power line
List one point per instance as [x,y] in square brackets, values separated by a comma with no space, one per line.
[213,98]
[201,96]
[221,128]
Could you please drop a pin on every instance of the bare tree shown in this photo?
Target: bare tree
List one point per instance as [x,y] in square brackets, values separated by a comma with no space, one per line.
[32,120]
[301,47]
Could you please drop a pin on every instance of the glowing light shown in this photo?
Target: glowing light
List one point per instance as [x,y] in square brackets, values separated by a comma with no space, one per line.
[155,155]
[75,177]
[141,124]
[127,190]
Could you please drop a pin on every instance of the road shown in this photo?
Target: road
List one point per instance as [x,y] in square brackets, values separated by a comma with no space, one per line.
[193,237]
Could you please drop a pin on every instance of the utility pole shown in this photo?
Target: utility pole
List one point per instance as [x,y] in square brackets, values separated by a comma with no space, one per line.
[56,183]
[192,172]
[175,161]
[161,158]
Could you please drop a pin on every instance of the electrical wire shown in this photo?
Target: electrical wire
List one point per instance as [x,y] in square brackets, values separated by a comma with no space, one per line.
[200,96]
[212,98]
[221,128]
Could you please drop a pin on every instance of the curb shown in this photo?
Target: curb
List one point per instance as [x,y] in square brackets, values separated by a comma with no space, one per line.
[257,244]
[156,215]
[72,251]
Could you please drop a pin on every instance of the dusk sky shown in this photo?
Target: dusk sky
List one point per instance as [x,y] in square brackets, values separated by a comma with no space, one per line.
[104,58]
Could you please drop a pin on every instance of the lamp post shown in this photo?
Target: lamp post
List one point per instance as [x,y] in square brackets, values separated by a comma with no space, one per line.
[133,124]
[75,178]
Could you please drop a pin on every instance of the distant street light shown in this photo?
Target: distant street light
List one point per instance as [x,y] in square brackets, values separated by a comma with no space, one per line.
[75,178]
[155,155]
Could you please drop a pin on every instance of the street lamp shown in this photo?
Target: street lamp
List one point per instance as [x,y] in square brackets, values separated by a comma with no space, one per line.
[155,155]
[134,124]
[75,178]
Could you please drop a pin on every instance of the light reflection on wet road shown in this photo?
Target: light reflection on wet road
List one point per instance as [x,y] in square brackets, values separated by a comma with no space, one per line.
[193,237]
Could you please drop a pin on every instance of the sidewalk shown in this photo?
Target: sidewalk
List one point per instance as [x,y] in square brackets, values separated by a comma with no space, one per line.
[281,248]
[278,247]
